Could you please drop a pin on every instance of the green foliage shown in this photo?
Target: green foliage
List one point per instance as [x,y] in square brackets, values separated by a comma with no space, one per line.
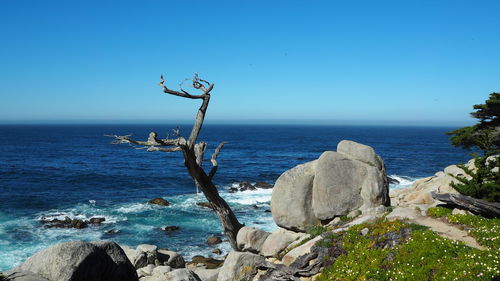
[437,212]
[484,134]
[316,230]
[485,231]
[484,182]
[344,218]
[421,255]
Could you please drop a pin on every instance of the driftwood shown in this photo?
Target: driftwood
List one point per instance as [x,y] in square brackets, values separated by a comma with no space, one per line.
[193,152]
[476,206]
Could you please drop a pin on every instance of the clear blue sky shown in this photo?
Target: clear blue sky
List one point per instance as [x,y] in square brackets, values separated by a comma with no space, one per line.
[373,62]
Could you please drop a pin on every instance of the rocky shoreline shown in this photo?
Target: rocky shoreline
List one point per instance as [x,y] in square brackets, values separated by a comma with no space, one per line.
[325,210]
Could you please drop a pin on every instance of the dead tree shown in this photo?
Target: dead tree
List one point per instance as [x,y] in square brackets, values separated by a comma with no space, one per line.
[193,152]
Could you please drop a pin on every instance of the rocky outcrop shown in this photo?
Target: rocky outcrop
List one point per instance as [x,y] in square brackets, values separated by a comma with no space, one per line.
[420,192]
[278,240]
[335,184]
[81,261]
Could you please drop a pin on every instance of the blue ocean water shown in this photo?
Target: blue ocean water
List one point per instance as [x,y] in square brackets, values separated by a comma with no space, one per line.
[73,170]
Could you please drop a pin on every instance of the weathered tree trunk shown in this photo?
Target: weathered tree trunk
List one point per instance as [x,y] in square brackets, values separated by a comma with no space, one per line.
[226,216]
[193,157]
[476,206]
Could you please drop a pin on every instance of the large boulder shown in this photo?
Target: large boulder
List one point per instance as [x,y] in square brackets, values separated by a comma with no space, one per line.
[81,261]
[291,198]
[239,265]
[251,239]
[335,184]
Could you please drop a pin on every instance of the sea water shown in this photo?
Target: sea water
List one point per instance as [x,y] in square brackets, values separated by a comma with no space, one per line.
[54,171]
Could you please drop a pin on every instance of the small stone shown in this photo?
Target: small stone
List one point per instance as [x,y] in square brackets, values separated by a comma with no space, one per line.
[263,185]
[146,271]
[170,228]
[335,221]
[146,248]
[217,251]
[159,201]
[213,240]
[97,220]
[364,231]
[458,212]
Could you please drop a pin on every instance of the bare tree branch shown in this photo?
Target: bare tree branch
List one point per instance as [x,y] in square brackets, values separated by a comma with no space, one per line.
[215,164]
[183,93]
[152,140]
[170,149]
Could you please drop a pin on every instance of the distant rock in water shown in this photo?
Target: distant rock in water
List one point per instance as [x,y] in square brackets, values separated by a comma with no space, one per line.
[67,222]
[263,185]
[213,240]
[159,201]
[97,220]
[245,185]
[335,184]
[170,228]
[79,261]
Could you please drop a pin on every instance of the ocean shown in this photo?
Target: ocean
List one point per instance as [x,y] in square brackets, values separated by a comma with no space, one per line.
[73,170]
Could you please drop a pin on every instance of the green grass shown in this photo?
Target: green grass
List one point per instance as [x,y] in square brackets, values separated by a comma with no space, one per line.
[316,230]
[438,212]
[420,254]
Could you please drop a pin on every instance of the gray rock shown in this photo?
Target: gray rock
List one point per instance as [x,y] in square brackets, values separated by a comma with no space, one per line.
[364,231]
[207,274]
[161,270]
[343,183]
[251,239]
[291,198]
[22,276]
[181,274]
[291,256]
[171,258]
[333,185]
[278,241]
[81,261]
[145,271]
[360,152]
[238,265]
[213,240]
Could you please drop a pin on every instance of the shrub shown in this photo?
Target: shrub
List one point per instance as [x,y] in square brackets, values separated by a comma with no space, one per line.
[437,212]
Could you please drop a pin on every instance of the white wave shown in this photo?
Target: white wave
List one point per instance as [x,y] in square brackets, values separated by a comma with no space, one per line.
[250,197]
[403,182]
[135,208]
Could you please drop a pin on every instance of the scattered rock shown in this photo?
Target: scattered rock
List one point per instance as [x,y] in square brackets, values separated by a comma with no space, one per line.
[364,231]
[239,266]
[171,258]
[233,190]
[213,240]
[81,261]
[263,185]
[209,263]
[251,239]
[66,223]
[159,201]
[246,186]
[335,221]
[170,228]
[145,271]
[97,220]
[161,270]
[392,180]
[217,251]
